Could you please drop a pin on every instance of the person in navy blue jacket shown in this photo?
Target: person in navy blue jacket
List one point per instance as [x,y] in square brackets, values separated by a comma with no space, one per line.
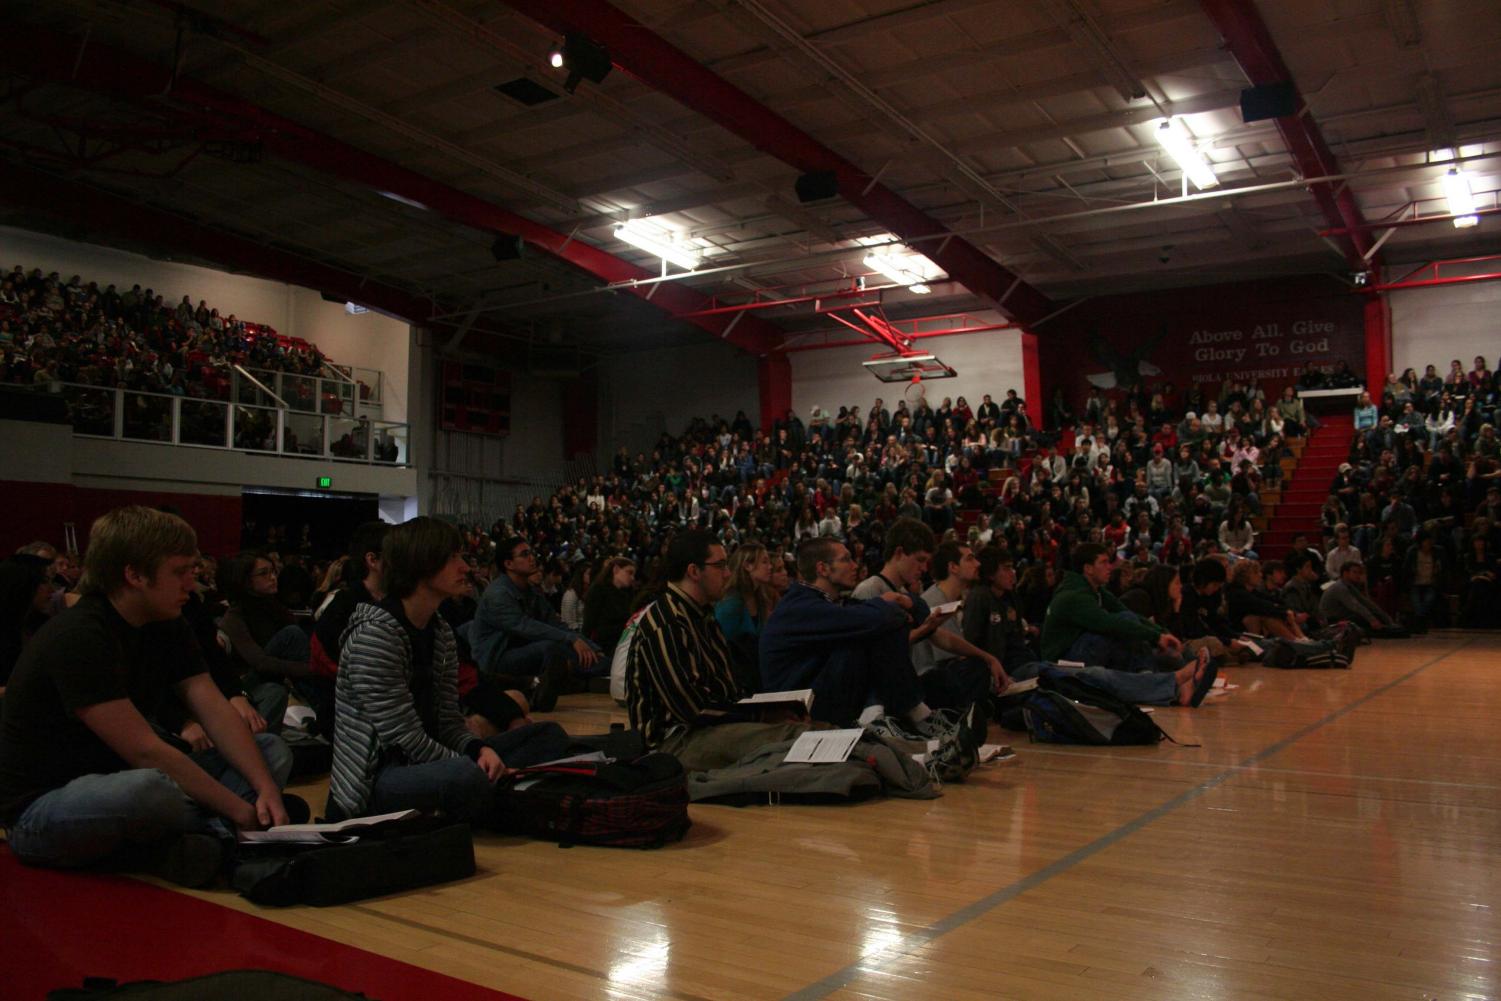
[854,655]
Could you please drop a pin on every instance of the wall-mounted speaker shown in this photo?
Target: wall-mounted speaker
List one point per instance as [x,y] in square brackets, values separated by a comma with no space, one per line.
[507,247]
[816,185]
[1270,100]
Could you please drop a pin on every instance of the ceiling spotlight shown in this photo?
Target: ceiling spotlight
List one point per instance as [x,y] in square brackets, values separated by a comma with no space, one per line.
[585,59]
[1180,146]
[1461,198]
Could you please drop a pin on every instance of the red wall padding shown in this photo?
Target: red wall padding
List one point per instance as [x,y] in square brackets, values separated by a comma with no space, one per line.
[39,510]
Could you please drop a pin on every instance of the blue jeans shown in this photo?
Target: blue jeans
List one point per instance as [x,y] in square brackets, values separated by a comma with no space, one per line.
[268,692]
[1424,598]
[536,659]
[1153,688]
[457,786]
[1119,654]
[95,817]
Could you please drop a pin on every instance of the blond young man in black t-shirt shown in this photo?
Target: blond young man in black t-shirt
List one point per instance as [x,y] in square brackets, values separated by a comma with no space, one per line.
[85,775]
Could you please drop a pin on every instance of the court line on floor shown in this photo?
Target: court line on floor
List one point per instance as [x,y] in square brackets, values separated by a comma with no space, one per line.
[914,941]
[507,950]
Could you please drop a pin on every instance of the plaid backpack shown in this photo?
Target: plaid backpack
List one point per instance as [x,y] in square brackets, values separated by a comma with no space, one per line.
[1066,708]
[627,804]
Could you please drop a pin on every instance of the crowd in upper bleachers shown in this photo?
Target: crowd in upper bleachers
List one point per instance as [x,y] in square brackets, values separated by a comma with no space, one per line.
[53,330]
[1420,495]
[1155,475]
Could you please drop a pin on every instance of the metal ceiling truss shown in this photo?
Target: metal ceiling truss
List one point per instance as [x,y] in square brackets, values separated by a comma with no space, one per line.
[1248,39]
[651,59]
[74,61]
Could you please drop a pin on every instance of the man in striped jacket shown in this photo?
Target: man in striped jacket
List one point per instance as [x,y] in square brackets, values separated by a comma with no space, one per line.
[680,663]
[401,742]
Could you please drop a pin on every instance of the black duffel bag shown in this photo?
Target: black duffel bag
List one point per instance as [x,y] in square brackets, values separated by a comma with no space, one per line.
[387,858]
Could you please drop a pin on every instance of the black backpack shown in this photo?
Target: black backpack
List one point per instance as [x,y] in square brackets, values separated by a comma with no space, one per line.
[1067,708]
[627,804]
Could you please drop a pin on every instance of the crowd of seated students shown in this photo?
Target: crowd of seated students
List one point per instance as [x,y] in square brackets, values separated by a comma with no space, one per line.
[1419,499]
[1156,475]
[431,647]
[53,330]
[123,702]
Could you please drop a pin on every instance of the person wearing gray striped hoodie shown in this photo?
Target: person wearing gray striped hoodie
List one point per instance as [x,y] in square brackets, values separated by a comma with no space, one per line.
[400,741]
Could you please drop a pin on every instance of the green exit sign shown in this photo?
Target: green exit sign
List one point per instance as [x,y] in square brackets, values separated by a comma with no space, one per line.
[324,482]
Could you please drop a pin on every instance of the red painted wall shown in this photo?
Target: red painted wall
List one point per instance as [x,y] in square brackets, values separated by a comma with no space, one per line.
[775,372]
[39,510]
[580,415]
[1264,331]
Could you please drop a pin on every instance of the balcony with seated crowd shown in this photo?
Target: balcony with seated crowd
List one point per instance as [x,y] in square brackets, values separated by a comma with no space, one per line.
[132,367]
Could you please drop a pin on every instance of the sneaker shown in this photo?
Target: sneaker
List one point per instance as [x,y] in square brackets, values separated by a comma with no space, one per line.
[976,718]
[951,762]
[892,733]
[191,860]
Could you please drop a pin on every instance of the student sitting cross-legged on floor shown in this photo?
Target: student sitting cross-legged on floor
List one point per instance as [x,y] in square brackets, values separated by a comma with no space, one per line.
[1088,624]
[400,740]
[993,622]
[856,656]
[86,774]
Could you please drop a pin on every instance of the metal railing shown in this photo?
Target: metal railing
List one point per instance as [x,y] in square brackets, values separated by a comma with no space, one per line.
[160,418]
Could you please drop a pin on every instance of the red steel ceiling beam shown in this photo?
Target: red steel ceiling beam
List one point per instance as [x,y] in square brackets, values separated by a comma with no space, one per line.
[100,211]
[643,54]
[78,61]
[1248,40]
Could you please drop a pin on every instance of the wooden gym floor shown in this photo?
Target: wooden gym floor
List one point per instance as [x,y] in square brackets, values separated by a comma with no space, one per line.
[1335,837]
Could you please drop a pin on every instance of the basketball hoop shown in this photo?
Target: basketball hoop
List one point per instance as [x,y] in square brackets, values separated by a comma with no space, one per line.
[913,368]
[914,392]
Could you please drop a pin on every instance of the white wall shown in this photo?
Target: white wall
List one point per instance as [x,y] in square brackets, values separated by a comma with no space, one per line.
[36,452]
[1431,326]
[50,453]
[368,340]
[644,393]
[121,465]
[987,362]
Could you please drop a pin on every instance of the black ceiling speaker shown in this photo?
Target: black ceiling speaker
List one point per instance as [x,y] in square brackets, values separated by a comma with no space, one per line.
[816,185]
[1270,100]
[585,59]
[507,247]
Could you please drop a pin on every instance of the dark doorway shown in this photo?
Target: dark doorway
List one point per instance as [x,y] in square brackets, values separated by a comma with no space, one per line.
[314,523]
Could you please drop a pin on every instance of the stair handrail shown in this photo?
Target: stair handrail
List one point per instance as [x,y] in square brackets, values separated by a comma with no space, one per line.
[258,384]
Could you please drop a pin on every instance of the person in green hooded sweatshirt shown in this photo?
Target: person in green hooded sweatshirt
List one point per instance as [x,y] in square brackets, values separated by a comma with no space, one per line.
[1088,624]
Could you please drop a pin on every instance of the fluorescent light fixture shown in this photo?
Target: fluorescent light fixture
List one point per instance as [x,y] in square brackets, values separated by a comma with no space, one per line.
[402,199]
[1180,146]
[903,267]
[1461,198]
[655,241]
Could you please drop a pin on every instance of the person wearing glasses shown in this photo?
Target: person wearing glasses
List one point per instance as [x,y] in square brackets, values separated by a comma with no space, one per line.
[517,637]
[266,645]
[680,662]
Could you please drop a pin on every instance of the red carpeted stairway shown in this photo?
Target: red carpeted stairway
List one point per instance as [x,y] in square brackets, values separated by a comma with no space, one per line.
[1306,489]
